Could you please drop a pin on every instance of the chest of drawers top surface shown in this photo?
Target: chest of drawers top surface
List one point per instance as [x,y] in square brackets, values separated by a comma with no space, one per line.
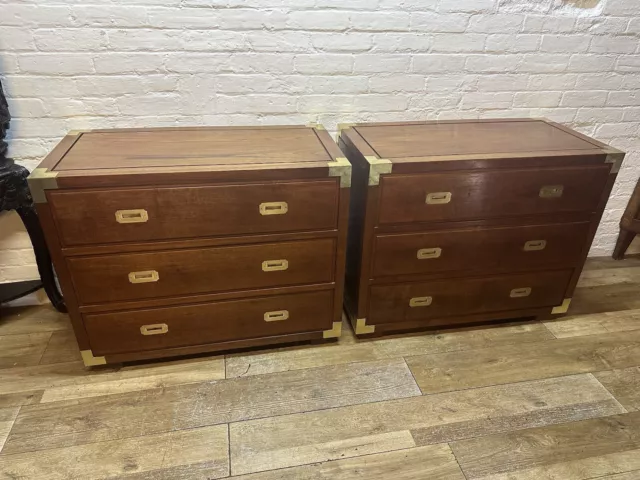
[514,138]
[193,147]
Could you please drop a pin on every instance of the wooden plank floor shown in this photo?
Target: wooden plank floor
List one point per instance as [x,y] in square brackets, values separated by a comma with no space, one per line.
[554,400]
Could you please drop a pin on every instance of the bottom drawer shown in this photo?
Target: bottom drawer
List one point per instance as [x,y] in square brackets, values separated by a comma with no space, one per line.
[158,328]
[466,296]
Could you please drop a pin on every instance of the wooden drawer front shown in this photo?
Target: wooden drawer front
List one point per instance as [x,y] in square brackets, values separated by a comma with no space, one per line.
[505,249]
[471,195]
[186,325]
[91,216]
[110,278]
[466,296]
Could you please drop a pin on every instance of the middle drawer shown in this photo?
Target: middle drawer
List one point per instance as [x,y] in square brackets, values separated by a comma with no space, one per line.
[488,248]
[135,276]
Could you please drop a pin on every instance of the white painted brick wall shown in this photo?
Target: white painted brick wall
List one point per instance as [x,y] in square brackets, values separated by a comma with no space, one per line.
[70,65]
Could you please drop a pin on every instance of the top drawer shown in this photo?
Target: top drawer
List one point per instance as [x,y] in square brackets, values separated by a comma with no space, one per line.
[474,195]
[141,214]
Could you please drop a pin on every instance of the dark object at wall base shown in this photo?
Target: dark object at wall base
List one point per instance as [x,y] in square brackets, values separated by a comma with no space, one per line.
[12,291]
[629,225]
[15,195]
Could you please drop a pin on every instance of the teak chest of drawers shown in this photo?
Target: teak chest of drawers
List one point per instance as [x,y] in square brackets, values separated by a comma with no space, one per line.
[177,241]
[466,221]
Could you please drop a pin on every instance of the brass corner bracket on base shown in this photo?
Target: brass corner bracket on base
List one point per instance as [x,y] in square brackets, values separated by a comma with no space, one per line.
[91,361]
[615,159]
[562,308]
[335,331]
[341,168]
[362,328]
[377,166]
[39,180]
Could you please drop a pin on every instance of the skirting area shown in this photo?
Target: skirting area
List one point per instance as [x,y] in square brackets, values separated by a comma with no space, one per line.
[553,400]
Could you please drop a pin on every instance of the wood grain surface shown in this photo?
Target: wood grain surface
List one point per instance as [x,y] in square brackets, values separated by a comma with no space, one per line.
[290,440]
[514,363]
[481,249]
[191,146]
[489,194]
[553,400]
[163,409]
[103,279]
[85,217]
[392,303]
[551,445]
[469,138]
[187,325]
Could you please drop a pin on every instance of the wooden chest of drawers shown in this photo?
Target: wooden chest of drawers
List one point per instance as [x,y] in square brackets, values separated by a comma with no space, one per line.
[177,241]
[466,221]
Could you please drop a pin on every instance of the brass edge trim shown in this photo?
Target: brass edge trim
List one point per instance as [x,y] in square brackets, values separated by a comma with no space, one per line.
[91,361]
[362,328]
[39,180]
[562,308]
[341,168]
[616,160]
[377,166]
[335,331]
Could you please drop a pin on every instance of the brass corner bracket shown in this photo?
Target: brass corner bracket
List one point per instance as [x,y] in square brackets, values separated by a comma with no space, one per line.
[39,180]
[562,308]
[377,166]
[342,126]
[362,328]
[335,331]
[341,168]
[615,159]
[91,361]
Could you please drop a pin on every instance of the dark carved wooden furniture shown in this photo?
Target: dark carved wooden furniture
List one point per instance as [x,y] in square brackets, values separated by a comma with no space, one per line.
[458,222]
[629,224]
[15,195]
[178,241]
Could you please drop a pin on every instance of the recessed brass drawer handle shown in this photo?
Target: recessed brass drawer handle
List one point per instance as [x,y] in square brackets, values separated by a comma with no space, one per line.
[551,191]
[132,216]
[437,198]
[534,245]
[274,208]
[420,301]
[276,316]
[274,265]
[425,253]
[520,292]
[147,276]
[154,329]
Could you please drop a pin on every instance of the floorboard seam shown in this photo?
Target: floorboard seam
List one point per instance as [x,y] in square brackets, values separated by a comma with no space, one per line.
[412,375]
[331,461]
[457,461]
[45,351]
[609,391]
[513,383]
[229,449]
[544,324]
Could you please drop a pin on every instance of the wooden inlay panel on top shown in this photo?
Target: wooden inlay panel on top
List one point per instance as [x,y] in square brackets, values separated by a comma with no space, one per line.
[468,138]
[160,148]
